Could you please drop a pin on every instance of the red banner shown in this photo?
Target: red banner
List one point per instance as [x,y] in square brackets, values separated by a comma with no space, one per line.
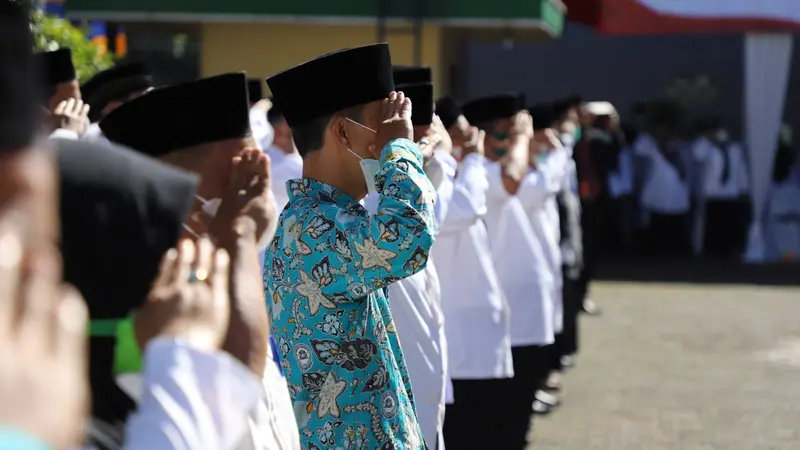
[697,16]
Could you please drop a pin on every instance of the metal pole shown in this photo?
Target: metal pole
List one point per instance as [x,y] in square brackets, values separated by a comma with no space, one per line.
[383,11]
[419,22]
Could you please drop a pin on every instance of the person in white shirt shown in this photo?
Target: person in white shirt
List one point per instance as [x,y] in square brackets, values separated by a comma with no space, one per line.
[287,164]
[548,166]
[664,197]
[416,301]
[782,216]
[476,313]
[259,106]
[517,253]
[722,216]
[110,88]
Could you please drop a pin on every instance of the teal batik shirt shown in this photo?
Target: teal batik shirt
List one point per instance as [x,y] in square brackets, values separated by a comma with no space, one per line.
[324,275]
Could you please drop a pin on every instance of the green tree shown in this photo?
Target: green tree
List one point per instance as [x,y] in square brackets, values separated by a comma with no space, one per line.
[52,33]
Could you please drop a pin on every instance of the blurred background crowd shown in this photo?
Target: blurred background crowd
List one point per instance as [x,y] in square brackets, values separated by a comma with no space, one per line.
[710,72]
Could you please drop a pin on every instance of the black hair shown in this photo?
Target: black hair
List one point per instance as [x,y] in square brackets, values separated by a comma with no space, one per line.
[274,115]
[310,136]
[487,126]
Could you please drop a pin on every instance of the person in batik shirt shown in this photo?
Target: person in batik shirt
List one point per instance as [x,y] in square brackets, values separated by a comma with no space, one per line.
[326,270]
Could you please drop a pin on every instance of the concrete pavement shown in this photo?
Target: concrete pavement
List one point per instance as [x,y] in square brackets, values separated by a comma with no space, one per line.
[683,367]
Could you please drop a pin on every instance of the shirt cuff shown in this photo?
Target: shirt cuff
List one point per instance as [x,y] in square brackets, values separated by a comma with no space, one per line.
[62,133]
[401,149]
[13,439]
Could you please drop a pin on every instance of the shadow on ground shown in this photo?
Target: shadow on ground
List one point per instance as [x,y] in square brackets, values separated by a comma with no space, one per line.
[698,271]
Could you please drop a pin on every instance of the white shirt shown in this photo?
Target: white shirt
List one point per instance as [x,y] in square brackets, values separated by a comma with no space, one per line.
[664,191]
[477,315]
[196,401]
[711,159]
[518,256]
[620,182]
[262,130]
[94,133]
[63,133]
[539,201]
[782,222]
[285,167]
[417,314]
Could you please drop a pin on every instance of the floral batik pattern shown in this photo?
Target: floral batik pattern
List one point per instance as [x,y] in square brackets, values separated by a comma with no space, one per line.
[324,275]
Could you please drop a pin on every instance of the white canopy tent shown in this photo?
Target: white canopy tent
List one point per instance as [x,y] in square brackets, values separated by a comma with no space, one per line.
[767,62]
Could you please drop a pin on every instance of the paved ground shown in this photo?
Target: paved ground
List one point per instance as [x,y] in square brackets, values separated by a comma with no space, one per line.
[683,367]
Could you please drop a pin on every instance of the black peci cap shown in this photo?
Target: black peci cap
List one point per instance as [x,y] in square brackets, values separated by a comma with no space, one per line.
[448,111]
[20,80]
[487,109]
[421,96]
[411,75]
[176,117]
[121,207]
[360,75]
[57,66]
[255,90]
[113,84]
[542,115]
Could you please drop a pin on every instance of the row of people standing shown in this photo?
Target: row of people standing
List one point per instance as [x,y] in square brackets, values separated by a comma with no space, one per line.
[662,191]
[493,309]
[405,258]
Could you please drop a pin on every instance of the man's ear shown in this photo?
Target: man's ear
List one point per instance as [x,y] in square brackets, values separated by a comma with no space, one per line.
[338,126]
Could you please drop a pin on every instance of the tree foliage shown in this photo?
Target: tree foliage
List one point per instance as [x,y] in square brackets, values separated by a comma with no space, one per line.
[52,33]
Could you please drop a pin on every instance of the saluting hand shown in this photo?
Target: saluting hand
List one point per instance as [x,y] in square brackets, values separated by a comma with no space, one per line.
[474,142]
[396,121]
[44,387]
[71,115]
[189,299]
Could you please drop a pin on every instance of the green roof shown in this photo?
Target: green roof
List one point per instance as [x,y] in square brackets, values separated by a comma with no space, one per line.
[547,15]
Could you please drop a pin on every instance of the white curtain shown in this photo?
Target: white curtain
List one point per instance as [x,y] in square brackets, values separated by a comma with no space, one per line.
[767,63]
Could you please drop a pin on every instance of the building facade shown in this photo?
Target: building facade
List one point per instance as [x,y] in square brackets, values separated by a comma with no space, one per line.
[189,38]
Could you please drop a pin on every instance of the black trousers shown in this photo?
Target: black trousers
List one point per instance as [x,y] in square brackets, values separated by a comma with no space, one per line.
[567,341]
[477,418]
[667,235]
[530,365]
[591,229]
[725,229]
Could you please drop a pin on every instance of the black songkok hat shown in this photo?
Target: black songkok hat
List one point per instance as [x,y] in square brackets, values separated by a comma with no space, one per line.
[57,66]
[421,96]
[448,110]
[113,84]
[411,75]
[542,115]
[275,113]
[487,109]
[120,212]
[176,117]
[360,75]
[20,84]
[255,90]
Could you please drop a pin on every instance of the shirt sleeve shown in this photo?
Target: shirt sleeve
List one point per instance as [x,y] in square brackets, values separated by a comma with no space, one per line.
[468,203]
[555,170]
[534,190]
[394,242]
[191,400]
[13,439]
[62,133]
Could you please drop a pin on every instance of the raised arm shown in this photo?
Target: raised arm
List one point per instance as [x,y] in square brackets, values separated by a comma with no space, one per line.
[515,163]
[468,203]
[370,251]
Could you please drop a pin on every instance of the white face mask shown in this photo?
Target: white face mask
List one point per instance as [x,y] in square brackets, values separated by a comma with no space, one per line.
[211,206]
[457,151]
[369,166]
[721,135]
